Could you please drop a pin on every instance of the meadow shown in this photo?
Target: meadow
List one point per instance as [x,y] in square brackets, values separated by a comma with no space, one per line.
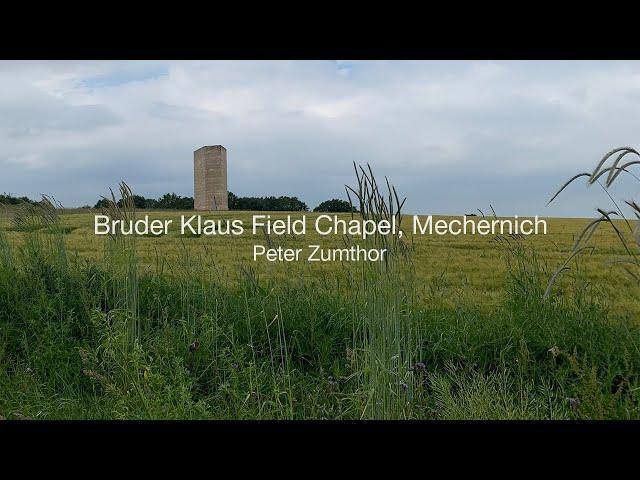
[191,327]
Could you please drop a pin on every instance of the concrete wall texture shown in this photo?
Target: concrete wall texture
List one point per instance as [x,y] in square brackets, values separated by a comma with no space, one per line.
[210,178]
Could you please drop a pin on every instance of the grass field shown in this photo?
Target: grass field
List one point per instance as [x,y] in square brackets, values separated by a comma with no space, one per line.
[191,327]
[469,269]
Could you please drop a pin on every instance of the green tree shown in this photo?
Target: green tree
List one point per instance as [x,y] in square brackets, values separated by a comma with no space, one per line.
[335,206]
[232,201]
[11,200]
[102,203]
[283,203]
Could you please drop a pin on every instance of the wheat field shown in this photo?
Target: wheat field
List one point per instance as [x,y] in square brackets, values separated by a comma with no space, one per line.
[467,269]
[172,326]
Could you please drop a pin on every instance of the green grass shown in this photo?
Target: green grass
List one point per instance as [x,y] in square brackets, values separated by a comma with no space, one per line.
[289,351]
[126,334]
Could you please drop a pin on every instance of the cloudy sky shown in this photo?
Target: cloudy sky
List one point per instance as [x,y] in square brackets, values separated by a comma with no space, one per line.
[452,136]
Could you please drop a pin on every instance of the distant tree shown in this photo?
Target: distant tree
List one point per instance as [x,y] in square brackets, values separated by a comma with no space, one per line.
[138,202]
[232,201]
[151,203]
[286,204]
[102,203]
[171,201]
[335,206]
[291,204]
[186,203]
[11,200]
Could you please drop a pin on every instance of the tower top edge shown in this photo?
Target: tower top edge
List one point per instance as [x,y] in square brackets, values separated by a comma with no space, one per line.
[211,147]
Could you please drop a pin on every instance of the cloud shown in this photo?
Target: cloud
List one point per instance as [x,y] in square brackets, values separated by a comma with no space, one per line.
[453,136]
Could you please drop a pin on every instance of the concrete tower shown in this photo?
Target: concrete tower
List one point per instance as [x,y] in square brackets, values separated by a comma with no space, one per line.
[210,178]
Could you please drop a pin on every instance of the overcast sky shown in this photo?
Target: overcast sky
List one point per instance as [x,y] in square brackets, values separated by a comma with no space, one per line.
[452,136]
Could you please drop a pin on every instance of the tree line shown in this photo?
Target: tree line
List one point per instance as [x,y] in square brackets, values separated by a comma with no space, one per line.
[168,201]
[172,201]
[8,199]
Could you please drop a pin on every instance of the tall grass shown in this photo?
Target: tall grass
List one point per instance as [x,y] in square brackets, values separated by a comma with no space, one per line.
[120,257]
[110,339]
[384,337]
[631,261]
